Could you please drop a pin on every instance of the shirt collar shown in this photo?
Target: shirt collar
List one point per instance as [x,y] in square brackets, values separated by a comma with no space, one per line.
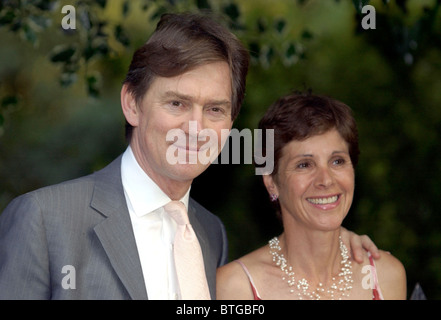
[144,194]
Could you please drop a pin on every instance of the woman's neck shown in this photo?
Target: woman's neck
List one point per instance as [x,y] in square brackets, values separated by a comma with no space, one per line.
[313,255]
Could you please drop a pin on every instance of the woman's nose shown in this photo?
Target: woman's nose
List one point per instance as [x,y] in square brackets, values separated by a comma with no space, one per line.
[324,178]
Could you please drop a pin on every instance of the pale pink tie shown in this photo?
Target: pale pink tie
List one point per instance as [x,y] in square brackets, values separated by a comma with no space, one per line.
[188,256]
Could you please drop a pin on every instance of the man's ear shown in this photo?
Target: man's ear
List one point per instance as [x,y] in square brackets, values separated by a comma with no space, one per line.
[270,185]
[129,106]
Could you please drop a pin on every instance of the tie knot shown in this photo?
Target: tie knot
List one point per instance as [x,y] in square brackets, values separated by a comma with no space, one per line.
[177,210]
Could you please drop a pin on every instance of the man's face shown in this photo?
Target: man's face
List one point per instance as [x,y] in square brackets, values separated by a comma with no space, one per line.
[196,100]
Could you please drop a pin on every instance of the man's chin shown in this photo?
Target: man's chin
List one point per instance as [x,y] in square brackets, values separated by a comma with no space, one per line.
[189,171]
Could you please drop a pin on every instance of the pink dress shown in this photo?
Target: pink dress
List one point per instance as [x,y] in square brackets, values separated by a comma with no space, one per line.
[376,291]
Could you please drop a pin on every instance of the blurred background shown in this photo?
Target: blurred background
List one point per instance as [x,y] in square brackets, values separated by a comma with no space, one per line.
[60,115]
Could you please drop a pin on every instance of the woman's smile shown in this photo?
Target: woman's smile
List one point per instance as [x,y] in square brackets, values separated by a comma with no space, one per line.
[325,202]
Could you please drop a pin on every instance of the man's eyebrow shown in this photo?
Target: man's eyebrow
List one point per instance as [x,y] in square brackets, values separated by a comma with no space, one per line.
[185,97]
[176,95]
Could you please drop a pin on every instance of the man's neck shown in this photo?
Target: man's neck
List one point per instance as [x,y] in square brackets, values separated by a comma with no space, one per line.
[175,189]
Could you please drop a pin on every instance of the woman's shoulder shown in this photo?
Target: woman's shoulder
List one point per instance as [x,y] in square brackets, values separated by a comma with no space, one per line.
[391,276]
[232,281]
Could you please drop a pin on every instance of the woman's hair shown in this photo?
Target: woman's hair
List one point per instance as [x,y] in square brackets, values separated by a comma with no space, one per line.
[299,116]
[182,42]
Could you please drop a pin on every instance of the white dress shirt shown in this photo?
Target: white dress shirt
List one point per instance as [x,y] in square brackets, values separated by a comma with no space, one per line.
[154,231]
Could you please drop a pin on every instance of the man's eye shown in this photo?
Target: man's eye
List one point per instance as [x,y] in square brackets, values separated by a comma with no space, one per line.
[176,103]
[217,112]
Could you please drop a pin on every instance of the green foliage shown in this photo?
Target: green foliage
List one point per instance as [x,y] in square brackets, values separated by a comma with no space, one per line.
[60,115]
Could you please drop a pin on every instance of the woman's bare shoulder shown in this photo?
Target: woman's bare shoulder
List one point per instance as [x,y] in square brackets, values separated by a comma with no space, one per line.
[232,281]
[391,276]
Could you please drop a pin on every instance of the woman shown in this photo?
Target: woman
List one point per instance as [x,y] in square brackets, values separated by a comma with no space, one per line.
[312,186]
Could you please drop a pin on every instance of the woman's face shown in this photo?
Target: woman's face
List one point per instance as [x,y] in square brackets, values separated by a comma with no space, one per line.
[315,181]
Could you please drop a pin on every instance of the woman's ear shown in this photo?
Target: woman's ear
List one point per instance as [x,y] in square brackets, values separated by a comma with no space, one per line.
[129,106]
[270,185]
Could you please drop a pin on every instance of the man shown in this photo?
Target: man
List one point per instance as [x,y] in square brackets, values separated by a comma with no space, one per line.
[107,235]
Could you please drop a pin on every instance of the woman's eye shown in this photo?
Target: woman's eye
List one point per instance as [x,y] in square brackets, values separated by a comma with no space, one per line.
[339,161]
[303,165]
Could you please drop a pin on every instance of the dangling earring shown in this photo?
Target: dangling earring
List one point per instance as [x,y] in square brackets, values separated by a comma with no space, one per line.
[273,197]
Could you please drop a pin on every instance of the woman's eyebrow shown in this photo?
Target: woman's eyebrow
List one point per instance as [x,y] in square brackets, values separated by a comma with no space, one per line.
[307,155]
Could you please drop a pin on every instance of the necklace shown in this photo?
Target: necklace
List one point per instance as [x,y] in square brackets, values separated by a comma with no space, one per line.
[339,289]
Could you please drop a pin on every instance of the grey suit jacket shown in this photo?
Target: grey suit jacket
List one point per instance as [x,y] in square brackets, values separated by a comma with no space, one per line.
[75,240]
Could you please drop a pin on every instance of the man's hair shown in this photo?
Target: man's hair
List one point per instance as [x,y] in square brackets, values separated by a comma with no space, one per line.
[182,42]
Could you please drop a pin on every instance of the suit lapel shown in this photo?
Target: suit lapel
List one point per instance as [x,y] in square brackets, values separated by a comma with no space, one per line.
[115,232]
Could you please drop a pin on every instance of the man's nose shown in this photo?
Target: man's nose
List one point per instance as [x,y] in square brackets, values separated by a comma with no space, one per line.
[194,122]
